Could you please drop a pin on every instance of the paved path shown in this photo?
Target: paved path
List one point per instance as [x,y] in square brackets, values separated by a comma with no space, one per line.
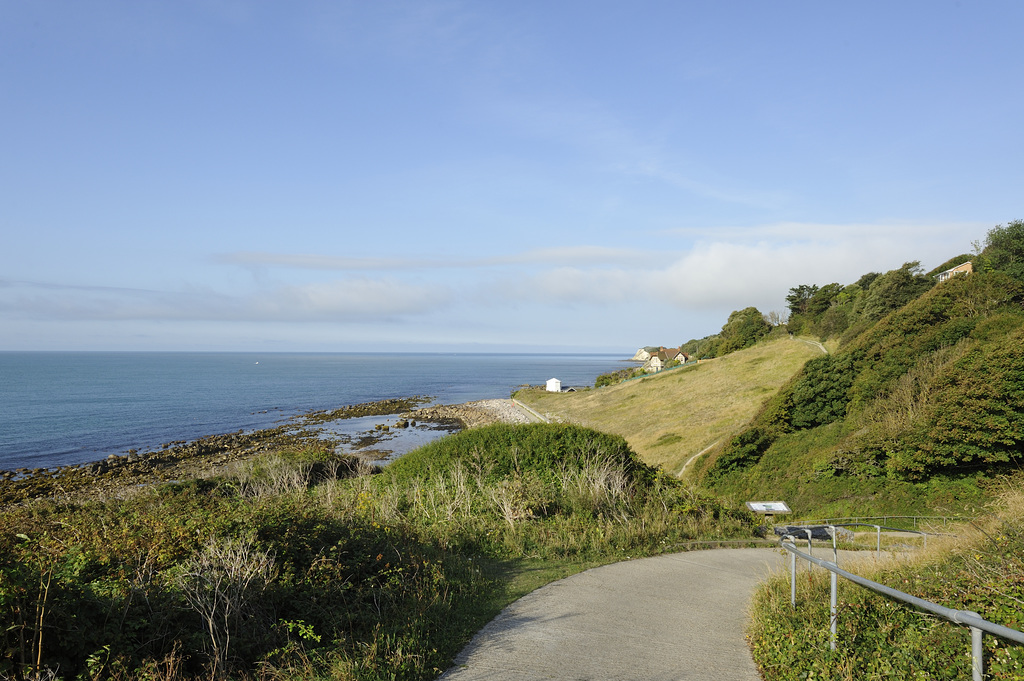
[531,414]
[679,616]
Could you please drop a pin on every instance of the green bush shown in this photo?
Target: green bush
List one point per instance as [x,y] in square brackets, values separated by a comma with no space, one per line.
[821,393]
[742,451]
[508,450]
[744,328]
[616,377]
[1004,250]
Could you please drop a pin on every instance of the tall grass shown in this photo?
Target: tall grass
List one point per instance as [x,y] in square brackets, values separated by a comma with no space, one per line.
[290,569]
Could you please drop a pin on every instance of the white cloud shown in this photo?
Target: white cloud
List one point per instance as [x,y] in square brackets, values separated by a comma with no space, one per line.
[758,268]
[723,271]
[926,239]
[334,301]
[306,261]
[589,255]
[351,298]
[568,285]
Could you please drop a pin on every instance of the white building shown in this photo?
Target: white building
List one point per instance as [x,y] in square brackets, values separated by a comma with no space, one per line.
[963,268]
[554,385]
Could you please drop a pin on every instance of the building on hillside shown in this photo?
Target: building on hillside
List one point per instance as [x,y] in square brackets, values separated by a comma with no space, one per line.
[963,268]
[660,359]
[554,385]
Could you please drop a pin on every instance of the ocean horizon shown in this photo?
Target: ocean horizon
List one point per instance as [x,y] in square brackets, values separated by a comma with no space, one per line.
[60,408]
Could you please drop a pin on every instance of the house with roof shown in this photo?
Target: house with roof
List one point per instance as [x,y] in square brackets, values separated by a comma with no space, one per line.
[962,269]
[660,359]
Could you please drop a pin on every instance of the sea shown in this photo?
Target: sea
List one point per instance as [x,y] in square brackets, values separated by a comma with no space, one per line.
[69,408]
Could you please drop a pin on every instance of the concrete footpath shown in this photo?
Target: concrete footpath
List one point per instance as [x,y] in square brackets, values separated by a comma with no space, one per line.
[679,616]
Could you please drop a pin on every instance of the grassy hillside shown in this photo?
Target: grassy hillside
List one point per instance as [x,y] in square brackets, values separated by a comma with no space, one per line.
[922,411]
[668,418]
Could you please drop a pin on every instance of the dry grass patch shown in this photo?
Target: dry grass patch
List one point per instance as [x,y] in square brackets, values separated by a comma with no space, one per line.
[668,418]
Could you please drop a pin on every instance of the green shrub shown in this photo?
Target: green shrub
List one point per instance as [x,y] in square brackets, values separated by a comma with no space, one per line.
[821,393]
[742,451]
[508,450]
[616,377]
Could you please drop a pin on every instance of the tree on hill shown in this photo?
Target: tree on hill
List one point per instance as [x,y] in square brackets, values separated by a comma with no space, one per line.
[894,289]
[744,328]
[1004,249]
[835,310]
[700,348]
[799,298]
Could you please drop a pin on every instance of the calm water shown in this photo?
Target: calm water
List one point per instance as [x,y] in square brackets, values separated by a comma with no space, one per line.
[61,408]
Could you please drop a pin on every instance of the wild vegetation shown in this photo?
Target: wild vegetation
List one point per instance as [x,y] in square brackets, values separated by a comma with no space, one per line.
[743,329]
[920,410]
[616,377]
[285,571]
[981,570]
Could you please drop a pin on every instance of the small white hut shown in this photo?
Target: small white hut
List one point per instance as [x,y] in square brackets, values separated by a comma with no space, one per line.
[554,385]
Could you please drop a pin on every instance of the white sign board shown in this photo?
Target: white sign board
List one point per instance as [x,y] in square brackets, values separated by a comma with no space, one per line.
[768,507]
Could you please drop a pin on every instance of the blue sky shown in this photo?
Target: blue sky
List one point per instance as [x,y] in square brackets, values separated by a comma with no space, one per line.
[489,176]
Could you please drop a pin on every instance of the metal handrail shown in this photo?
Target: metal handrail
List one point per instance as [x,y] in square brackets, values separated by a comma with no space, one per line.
[878,533]
[971,619]
[885,519]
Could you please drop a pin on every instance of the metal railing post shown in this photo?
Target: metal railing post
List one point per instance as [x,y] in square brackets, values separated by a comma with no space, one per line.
[878,541]
[977,653]
[792,580]
[834,621]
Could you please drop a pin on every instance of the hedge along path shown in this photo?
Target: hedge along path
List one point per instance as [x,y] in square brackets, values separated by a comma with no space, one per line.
[676,616]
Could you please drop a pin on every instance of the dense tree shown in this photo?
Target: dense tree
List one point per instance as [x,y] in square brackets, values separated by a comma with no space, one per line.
[701,348]
[865,279]
[1004,249]
[744,328]
[894,289]
[800,297]
[822,300]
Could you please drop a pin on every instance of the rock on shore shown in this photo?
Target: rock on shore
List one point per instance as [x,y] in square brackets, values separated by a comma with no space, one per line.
[472,414]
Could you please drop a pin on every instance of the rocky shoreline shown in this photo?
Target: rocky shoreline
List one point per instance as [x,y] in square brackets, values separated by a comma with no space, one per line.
[472,414]
[118,475]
